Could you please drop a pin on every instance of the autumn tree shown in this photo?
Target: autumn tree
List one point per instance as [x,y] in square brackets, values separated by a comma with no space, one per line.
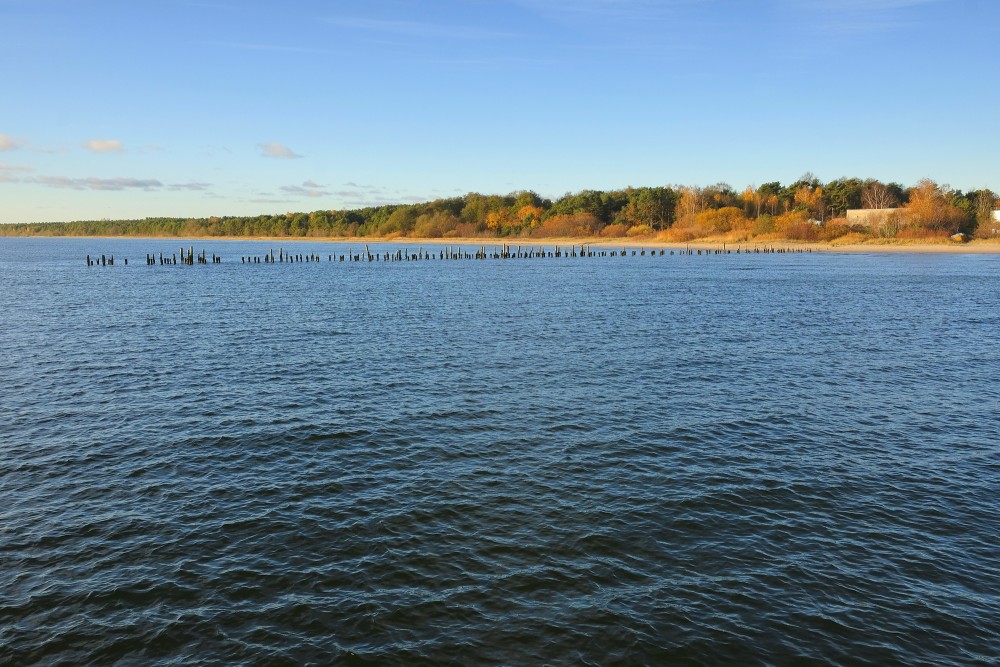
[567,225]
[809,198]
[478,208]
[930,208]
[769,194]
[751,201]
[721,195]
[787,196]
[498,221]
[528,215]
[692,201]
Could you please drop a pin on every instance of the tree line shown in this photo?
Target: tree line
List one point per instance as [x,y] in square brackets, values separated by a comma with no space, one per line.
[807,210]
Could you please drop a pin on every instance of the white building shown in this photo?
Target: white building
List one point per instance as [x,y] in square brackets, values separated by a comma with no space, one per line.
[992,230]
[868,216]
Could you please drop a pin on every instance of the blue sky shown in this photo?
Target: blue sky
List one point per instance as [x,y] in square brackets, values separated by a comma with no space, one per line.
[217,107]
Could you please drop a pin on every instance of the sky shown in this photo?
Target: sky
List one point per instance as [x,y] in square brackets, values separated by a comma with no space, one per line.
[193,108]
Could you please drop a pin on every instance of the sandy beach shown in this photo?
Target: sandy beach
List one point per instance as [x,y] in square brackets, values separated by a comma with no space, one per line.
[989,247]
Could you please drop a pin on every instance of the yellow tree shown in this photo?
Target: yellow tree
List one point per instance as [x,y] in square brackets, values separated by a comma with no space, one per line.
[497,220]
[529,216]
[772,204]
[751,200]
[692,202]
[930,208]
[810,198]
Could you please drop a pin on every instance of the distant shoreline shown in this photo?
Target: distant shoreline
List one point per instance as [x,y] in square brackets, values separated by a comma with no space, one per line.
[971,247]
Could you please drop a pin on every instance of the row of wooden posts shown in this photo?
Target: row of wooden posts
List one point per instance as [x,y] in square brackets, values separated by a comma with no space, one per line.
[105,260]
[189,258]
[501,252]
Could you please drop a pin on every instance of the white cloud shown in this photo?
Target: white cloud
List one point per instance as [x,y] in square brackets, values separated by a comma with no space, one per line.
[8,143]
[104,146]
[276,150]
[13,167]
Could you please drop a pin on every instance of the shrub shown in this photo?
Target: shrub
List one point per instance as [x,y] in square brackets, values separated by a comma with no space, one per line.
[833,230]
[763,225]
[614,231]
[574,224]
[639,230]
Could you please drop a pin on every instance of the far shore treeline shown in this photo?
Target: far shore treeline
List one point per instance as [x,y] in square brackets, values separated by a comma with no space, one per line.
[806,210]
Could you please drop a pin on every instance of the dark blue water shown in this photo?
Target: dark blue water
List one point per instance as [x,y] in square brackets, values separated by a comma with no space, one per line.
[697,460]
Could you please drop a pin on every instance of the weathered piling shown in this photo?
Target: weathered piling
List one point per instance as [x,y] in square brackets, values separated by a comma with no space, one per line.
[188,256]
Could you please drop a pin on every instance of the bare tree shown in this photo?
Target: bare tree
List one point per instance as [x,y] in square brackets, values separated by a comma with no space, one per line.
[985,203]
[877,195]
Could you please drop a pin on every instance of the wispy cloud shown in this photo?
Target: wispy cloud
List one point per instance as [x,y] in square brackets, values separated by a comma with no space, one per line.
[93,183]
[279,151]
[250,46]
[307,189]
[869,5]
[355,195]
[265,200]
[9,143]
[218,5]
[10,173]
[862,16]
[104,146]
[363,202]
[617,10]
[190,187]
[50,150]
[17,174]
[421,29]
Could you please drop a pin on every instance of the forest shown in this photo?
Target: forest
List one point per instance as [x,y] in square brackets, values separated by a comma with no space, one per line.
[806,210]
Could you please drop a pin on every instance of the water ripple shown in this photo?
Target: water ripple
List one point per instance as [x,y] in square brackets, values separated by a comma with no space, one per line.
[757,460]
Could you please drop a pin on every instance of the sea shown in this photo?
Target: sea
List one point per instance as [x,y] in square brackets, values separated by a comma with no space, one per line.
[704,459]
